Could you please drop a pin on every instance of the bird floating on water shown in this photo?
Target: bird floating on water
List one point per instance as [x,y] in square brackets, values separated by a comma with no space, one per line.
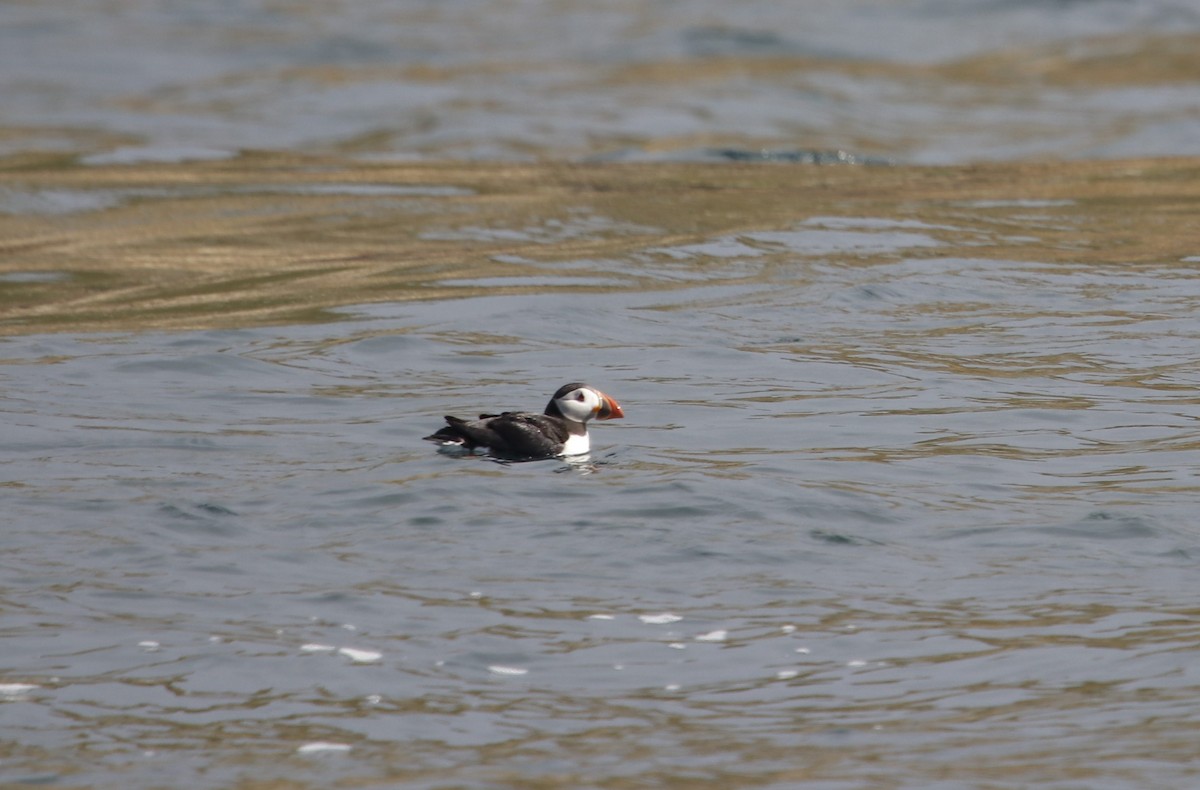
[560,430]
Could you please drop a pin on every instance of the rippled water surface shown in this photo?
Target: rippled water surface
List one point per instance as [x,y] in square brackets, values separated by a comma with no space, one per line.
[930,81]
[905,495]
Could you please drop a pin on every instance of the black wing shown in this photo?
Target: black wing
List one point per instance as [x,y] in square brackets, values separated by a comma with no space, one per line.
[528,435]
[511,434]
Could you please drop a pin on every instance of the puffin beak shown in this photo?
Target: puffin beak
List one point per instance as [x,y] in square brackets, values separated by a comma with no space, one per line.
[609,408]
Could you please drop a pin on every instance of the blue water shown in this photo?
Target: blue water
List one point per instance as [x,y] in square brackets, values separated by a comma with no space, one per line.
[888,509]
[919,514]
[918,81]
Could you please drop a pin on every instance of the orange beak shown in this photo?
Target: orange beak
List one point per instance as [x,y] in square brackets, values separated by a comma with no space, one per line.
[609,408]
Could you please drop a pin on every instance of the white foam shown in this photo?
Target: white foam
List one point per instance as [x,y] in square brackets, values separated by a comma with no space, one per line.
[502,670]
[323,746]
[360,656]
[16,689]
[314,647]
[713,636]
[659,619]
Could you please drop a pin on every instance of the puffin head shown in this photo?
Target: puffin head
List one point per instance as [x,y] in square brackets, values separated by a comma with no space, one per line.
[581,403]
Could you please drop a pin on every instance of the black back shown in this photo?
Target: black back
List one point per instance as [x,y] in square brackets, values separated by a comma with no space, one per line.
[517,435]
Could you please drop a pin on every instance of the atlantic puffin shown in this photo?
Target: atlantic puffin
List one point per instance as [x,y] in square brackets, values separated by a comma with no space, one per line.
[560,430]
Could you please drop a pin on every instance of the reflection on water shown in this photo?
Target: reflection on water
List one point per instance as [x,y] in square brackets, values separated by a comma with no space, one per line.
[265,239]
[904,496]
[143,81]
[905,487]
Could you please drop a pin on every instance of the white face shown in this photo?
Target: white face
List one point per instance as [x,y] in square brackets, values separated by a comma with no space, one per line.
[579,405]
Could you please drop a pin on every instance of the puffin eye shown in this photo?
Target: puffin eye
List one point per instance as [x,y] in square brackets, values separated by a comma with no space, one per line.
[579,396]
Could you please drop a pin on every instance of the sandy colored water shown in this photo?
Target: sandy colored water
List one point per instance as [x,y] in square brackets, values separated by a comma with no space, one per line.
[277,238]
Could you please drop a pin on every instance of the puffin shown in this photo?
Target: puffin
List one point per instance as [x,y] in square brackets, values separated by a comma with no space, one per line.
[560,430]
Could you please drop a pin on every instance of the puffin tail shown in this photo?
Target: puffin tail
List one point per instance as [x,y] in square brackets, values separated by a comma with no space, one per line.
[451,434]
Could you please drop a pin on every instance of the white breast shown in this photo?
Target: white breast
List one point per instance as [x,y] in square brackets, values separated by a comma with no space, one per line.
[576,445]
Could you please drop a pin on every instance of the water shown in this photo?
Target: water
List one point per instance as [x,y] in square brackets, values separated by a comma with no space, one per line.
[905,493]
[926,81]
[882,513]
